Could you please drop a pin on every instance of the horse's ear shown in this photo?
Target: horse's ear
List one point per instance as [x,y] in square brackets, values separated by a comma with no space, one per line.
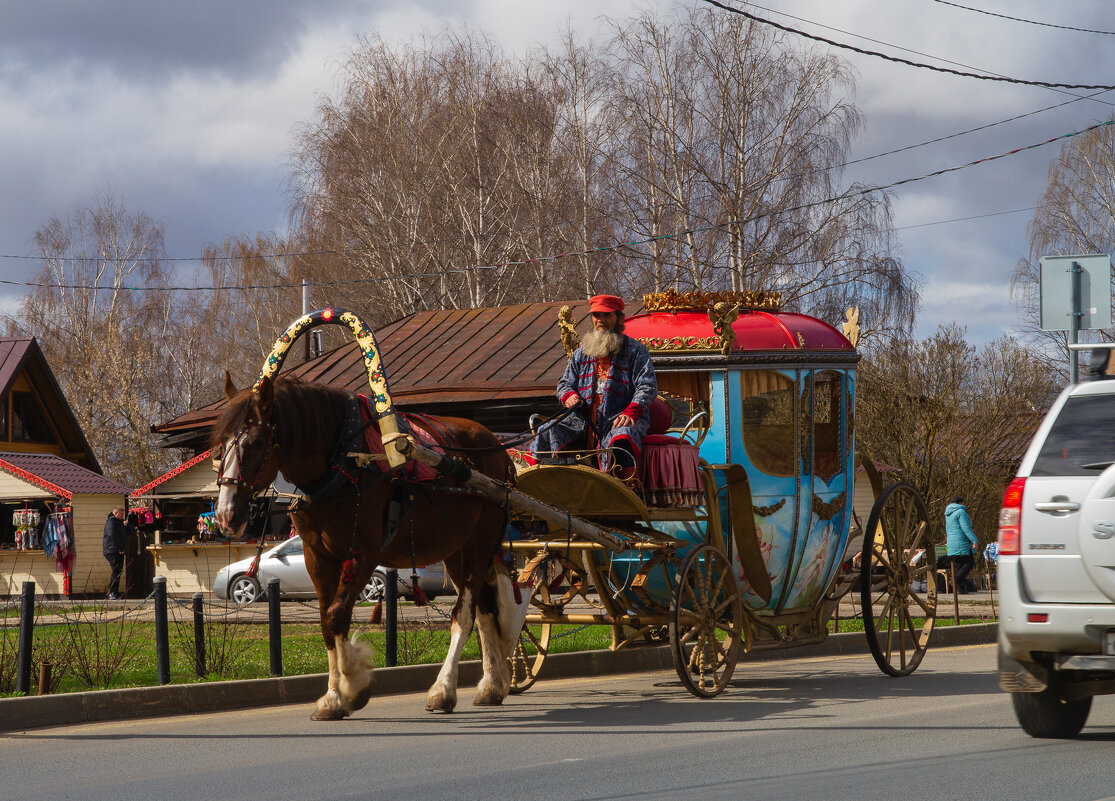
[230,388]
[264,391]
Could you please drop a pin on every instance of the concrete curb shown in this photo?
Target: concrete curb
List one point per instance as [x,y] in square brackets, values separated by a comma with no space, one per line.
[37,711]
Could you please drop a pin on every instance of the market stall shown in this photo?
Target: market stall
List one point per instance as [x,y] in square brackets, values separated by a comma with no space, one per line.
[52,516]
[174,515]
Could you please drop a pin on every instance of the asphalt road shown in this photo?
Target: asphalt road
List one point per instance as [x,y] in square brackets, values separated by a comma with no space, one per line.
[831,728]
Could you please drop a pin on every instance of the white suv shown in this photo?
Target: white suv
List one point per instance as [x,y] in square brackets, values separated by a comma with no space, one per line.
[1057,566]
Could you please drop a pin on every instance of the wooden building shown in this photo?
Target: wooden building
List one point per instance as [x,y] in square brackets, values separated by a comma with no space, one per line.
[54,490]
[47,468]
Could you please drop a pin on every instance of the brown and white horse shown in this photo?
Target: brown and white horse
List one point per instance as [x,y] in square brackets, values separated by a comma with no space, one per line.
[293,427]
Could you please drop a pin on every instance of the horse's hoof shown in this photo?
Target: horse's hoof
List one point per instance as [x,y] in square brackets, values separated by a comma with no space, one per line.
[329,714]
[440,704]
[487,700]
[488,694]
[362,699]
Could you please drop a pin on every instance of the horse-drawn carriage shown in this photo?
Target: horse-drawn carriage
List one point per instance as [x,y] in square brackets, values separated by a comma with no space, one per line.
[739,526]
[737,532]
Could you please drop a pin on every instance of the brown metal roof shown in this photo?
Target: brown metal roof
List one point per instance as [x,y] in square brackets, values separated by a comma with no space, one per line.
[505,353]
[58,475]
[13,352]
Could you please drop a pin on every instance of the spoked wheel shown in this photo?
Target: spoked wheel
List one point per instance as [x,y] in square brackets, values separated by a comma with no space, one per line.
[707,626]
[530,653]
[548,579]
[891,579]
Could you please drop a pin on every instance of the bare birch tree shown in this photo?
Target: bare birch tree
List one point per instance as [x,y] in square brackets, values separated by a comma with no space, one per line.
[105,341]
[735,133]
[438,168]
[431,169]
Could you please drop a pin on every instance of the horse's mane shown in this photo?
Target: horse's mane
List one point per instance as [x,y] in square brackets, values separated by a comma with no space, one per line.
[305,415]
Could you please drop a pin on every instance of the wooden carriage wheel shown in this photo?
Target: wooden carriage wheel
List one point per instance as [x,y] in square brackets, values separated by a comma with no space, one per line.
[897,529]
[707,625]
[530,653]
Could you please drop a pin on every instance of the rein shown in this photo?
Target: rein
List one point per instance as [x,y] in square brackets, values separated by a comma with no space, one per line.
[518,439]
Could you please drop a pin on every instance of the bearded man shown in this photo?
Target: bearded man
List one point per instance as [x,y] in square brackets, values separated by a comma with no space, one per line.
[609,384]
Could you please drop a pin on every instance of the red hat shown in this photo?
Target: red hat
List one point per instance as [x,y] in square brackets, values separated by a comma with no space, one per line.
[605,303]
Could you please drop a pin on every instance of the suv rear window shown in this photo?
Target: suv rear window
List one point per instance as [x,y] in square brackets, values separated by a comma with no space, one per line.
[1083,433]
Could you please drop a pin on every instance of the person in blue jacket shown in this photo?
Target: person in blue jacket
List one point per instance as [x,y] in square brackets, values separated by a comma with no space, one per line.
[962,543]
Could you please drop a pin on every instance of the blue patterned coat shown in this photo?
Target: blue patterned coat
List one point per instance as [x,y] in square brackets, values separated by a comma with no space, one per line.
[629,389]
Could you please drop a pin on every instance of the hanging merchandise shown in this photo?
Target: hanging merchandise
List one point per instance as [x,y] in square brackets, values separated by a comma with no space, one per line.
[59,543]
[26,522]
[207,527]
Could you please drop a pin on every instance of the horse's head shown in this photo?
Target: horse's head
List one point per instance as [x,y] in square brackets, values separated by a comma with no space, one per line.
[249,452]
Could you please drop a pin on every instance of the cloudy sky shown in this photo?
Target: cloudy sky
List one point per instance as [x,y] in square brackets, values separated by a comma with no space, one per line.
[186,110]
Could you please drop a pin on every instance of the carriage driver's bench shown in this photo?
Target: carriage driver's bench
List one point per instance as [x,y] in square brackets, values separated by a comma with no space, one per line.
[667,474]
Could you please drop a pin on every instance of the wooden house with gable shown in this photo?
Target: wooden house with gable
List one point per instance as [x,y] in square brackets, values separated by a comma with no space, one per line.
[50,482]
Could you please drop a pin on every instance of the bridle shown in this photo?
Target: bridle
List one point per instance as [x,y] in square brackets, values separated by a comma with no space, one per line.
[234,443]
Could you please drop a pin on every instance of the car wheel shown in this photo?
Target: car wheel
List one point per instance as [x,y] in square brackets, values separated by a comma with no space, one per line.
[375,589]
[1048,715]
[244,590]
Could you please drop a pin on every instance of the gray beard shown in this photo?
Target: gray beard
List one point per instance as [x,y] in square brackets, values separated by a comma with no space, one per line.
[601,343]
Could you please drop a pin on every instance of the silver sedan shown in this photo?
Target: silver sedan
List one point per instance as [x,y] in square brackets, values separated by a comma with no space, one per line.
[287,563]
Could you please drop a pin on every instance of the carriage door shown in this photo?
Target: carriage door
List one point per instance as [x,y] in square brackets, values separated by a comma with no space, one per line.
[768,413]
[823,500]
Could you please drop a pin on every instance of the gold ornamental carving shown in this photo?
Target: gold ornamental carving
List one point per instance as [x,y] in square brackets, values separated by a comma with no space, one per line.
[681,343]
[672,300]
[851,325]
[568,330]
[722,315]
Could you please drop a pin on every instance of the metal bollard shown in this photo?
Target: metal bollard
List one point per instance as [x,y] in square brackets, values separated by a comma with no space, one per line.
[44,677]
[162,632]
[26,636]
[391,619]
[199,636]
[275,627]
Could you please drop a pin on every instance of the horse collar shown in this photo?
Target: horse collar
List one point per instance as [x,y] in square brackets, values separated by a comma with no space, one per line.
[341,469]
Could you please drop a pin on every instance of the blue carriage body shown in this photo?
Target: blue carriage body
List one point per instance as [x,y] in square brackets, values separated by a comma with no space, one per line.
[781,406]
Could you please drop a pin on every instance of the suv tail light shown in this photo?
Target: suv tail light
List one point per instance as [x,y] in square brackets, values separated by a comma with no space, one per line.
[1010,519]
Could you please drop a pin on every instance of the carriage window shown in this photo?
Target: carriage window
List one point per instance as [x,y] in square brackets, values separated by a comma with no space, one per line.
[828,391]
[768,421]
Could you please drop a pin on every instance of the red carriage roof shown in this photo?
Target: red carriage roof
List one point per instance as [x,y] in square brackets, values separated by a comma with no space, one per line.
[755,331]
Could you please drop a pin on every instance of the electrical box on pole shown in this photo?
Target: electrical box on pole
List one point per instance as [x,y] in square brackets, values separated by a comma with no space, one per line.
[1075,296]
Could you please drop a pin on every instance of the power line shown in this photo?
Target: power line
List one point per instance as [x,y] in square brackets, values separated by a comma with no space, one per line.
[964,219]
[1027,21]
[897,60]
[964,133]
[588,251]
[918,52]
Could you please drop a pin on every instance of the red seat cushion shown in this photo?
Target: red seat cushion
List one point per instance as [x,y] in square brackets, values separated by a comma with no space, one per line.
[660,439]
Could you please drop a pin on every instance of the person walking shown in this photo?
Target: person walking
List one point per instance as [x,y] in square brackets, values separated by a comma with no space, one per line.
[115,540]
[961,543]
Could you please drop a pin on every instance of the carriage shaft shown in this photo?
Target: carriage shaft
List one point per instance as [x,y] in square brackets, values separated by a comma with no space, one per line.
[591,619]
[562,546]
[501,493]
